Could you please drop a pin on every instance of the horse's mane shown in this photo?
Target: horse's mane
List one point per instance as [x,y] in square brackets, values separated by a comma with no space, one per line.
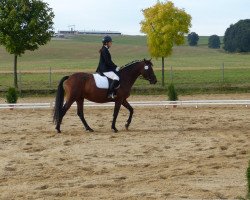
[130,64]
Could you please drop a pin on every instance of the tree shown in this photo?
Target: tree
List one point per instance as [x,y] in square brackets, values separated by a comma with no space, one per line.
[165,26]
[214,42]
[193,39]
[237,37]
[24,25]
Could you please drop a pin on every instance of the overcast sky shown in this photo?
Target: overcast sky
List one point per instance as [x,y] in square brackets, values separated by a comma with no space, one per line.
[208,16]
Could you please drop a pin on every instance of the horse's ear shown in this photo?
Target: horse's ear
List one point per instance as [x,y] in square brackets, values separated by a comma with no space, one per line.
[147,60]
[144,59]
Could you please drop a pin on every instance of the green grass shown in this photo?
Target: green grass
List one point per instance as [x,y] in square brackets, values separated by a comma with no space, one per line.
[82,52]
[193,67]
[78,53]
[181,78]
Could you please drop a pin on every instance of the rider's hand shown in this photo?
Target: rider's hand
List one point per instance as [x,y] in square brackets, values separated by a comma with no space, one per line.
[117,69]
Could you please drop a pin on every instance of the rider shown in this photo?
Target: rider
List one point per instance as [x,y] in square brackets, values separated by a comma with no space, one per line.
[107,67]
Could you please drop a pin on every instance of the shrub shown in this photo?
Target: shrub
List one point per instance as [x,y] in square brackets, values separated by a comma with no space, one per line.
[172,94]
[214,42]
[12,95]
[193,39]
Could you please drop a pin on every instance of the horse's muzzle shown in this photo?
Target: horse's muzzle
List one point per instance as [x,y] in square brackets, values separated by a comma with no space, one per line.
[153,80]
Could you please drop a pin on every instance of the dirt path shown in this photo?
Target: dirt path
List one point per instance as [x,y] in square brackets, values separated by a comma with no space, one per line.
[168,153]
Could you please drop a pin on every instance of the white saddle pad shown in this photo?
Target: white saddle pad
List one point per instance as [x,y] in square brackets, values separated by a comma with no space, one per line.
[101,81]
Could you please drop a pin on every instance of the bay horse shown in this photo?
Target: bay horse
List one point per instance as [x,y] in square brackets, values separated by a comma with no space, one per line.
[80,86]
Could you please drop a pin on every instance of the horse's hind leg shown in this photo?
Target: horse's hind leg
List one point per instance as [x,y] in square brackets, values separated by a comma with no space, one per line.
[65,108]
[81,115]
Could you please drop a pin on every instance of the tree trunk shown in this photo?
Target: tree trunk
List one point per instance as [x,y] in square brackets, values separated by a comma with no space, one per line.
[15,71]
[162,73]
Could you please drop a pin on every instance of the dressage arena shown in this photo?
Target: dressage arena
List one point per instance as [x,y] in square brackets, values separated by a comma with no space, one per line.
[168,153]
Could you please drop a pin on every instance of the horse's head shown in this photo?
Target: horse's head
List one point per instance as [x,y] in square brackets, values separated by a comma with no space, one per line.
[147,72]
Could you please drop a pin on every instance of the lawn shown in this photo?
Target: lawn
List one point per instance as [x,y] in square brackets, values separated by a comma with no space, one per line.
[192,66]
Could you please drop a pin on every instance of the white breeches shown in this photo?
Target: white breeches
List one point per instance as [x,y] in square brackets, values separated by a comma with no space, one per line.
[111,75]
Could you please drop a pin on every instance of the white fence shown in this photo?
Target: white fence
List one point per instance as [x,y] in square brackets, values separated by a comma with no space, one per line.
[195,103]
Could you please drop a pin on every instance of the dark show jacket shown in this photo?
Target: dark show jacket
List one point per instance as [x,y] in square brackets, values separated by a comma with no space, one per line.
[105,64]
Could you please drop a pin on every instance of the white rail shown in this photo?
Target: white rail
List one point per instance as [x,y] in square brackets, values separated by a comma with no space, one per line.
[195,103]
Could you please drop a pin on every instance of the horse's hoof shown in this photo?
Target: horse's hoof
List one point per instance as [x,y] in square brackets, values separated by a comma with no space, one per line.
[126,126]
[89,130]
[58,130]
[114,130]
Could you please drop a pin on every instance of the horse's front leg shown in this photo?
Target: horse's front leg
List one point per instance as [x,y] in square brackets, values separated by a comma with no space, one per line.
[131,111]
[116,111]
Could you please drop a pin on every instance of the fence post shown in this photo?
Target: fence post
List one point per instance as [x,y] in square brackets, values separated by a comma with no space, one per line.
[171,74]
[223,72]
[50,80]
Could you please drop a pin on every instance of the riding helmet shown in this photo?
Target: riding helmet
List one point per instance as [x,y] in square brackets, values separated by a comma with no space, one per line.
[106,39]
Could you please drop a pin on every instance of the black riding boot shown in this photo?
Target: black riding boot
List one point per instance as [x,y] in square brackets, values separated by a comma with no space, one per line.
[111,90]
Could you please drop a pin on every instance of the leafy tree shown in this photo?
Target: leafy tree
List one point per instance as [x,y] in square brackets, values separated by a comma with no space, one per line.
[24,25]
[193,39]
[165,26]
[237,37]
[214,42]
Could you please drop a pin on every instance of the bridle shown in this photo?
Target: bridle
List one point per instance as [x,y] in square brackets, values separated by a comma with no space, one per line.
[146,72]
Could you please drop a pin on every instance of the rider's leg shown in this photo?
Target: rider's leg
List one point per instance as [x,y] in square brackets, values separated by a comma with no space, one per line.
[111,90]
[114,83]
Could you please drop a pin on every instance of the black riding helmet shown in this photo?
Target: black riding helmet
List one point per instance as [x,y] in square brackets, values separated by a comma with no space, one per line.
[106,39]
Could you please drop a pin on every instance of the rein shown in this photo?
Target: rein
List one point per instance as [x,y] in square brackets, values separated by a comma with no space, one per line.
[135,62]
[131,63]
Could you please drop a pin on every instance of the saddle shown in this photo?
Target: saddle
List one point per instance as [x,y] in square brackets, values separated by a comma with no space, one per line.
[103,82]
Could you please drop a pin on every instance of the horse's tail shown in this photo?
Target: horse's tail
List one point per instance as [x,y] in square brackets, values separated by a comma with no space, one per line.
[59,101]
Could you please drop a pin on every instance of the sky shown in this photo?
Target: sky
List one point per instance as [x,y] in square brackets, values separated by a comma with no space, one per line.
[208,16]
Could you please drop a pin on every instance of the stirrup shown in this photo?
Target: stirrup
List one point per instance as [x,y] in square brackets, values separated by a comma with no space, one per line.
[112,96]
